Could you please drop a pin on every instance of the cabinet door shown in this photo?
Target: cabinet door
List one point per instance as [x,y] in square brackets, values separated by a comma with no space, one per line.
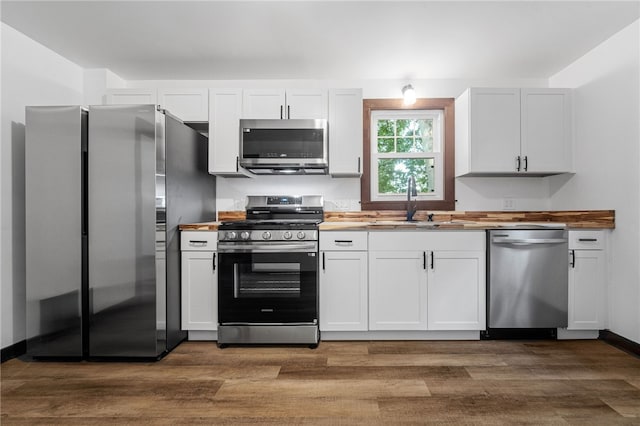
[131,97]
[494,130]
[343,291]
[224,131]
[306,104]
[546,130]
[586,290]
[397,290]
[199,280]
[186,104]
[345,132]
[263,103]
[456,290]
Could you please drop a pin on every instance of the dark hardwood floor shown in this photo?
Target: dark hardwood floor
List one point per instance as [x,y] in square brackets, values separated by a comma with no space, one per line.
[370,383]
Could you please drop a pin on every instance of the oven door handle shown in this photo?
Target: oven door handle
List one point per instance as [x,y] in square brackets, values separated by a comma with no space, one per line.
[269,248]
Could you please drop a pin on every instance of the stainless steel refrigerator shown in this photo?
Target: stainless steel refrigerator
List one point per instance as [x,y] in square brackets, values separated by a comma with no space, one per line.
[105,190]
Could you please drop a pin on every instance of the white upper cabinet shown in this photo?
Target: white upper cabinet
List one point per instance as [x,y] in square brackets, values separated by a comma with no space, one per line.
[190,105]
[546,130]
[225,109]
[284,104]
[263,103]
[131,97]
[345,132]
[307,103]
[513,132]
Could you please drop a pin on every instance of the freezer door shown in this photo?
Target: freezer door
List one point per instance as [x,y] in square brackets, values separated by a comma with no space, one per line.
[126,154]
[54,139]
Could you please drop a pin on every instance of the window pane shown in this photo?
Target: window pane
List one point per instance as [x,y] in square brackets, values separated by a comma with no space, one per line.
[404,128]
[424,130]
[386,145]
[394,173]
[405,145]
[386,127]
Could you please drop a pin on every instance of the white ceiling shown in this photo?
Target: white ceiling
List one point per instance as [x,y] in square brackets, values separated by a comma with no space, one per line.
[207,40]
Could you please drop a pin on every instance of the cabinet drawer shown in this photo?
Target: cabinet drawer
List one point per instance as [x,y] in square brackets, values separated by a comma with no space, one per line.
[343,241]
[198,241]
[586,240]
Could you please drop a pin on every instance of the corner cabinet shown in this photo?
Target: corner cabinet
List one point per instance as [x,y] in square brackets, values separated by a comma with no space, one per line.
[225,110]
[343,281]
[345,132]
[512,131]
[284,104]
[199,280]
[587,278]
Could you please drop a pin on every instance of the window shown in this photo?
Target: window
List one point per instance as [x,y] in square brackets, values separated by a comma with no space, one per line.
[402,141]
[406,143]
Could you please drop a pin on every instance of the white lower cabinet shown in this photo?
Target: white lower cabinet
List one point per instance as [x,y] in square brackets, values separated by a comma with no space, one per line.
[199,280]
[398,290]
[427,280]
[343,281]
[456,290]
[587,277]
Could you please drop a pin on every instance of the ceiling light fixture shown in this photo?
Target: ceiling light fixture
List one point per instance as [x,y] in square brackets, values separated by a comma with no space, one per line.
[409,95]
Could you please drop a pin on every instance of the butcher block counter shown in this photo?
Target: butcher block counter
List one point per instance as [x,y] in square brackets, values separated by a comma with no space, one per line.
[395,219]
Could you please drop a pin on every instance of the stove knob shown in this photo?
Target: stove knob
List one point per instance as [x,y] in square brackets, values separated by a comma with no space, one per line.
[245,235]
[266,235]
[301,235]
[231,235]
[287,235]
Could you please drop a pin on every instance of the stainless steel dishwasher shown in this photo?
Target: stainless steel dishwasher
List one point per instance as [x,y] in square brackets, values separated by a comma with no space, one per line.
[528,278]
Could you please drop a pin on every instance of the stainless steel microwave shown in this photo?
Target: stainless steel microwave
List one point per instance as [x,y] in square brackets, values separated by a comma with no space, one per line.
[295,146]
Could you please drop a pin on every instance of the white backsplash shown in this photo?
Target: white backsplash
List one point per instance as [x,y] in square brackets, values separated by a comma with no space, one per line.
[343,194]
[339,194]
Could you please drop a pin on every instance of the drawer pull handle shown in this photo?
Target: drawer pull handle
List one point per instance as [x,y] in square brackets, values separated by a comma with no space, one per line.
[587,240]
[197,243]
[348,242]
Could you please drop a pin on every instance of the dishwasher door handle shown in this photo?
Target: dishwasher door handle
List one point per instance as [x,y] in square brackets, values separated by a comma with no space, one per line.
[502,240]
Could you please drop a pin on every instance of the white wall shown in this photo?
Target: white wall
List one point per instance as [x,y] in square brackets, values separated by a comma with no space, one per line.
[607,161]
[31,75]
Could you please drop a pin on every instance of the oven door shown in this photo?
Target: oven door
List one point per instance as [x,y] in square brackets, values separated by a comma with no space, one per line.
[268,287]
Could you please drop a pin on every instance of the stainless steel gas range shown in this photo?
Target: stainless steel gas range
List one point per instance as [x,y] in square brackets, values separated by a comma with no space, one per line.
[268,272]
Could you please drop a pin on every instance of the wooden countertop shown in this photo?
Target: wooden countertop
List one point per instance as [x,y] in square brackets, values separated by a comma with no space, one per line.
[394,219]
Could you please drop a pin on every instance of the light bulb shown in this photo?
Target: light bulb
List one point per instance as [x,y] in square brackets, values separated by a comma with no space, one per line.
[409,95]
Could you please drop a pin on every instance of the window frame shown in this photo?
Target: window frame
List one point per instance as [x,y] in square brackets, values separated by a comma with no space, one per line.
[448,151]
[437,115]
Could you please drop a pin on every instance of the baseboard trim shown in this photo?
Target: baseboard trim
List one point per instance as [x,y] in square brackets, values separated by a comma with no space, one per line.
[14,350]
[620,342]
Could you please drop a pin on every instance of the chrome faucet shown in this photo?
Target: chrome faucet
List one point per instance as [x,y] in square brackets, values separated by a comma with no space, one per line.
[412,191]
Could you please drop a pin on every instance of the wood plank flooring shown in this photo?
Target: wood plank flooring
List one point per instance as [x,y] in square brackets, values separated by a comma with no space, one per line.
[339,383]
